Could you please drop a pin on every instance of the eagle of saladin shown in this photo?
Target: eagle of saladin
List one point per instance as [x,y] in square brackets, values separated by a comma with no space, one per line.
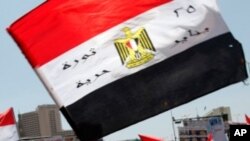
[135,49]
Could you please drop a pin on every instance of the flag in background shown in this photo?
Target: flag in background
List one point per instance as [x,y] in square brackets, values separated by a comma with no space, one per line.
[149,138]
[247,119]
[111,64]
[8,129]
[210,137]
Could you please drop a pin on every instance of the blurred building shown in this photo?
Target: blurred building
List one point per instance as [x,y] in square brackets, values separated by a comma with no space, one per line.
[193,129]
[224,112]
[45,121]
[198,128]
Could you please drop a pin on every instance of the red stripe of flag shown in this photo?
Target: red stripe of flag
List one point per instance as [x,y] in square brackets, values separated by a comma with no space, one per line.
[56,27]
[210,137]
[7,118]
[247,119]
[149,138]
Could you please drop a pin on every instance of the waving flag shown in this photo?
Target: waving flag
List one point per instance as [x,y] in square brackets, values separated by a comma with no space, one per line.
[247,119]
[210,137]
[149,138]
[109,64]
[8,129]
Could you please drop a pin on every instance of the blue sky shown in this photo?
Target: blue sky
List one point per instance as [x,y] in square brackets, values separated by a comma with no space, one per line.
[20,87]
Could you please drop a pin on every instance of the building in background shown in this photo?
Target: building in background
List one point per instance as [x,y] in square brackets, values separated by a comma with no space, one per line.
[225,112]
[197,129]
[44,122]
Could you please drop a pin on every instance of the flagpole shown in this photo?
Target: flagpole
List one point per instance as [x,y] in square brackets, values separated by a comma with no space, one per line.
[13,114]
[173,125]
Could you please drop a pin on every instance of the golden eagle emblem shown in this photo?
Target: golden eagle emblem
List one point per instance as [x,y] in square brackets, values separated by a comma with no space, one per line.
[136,48]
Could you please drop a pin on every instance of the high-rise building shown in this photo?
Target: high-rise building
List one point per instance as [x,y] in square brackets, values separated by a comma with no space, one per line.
[28,124]
[45,121]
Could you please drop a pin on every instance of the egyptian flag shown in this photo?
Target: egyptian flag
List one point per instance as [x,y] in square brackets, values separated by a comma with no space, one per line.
[8,129]
[110,64]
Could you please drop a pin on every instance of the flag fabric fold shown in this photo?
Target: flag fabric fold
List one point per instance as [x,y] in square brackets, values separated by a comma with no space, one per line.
[149,138]
[111,64]
[8,129]
[247,119]
[210,137]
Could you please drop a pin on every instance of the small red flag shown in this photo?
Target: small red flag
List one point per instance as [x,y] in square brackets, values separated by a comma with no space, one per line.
[8,129]
[210,137]
[7,117]
[149,138]
[247,119]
